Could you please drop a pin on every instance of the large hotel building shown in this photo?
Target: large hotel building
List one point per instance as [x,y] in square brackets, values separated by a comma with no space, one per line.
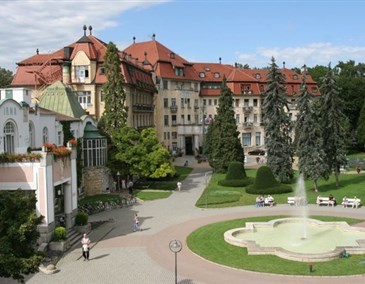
[177,97]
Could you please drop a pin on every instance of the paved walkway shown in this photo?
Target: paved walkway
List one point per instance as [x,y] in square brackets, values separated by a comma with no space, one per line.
[119,255]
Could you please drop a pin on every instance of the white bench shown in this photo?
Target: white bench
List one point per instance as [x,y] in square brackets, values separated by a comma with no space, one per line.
[269,203]
[295,200]
[291,200]
[325,201]
[350,202]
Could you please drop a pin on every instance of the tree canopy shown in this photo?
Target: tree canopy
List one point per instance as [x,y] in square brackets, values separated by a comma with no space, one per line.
[224,146]
[116,112]
[277,125]
[142,153]
[309,138]
[333,123]
[6,76]
[18,234]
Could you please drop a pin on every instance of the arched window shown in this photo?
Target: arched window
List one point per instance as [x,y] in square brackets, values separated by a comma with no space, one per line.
[31,134]
[9,137]
[45,135]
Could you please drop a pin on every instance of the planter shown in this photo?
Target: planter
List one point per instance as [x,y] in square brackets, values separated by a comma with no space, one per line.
[59,246]
[83,229]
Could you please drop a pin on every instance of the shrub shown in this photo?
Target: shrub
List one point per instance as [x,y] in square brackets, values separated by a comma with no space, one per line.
[236,182]
[60,234]
[236,170]
[81,219]
[265,183]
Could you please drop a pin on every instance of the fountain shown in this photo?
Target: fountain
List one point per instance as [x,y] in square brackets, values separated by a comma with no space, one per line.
[299,238]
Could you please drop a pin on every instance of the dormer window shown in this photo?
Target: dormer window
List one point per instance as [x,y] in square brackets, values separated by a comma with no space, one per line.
[81,73]
[207,69]
[172,55]
[258,76]
[295,77]
[179,71]
[216,75]
[202,75]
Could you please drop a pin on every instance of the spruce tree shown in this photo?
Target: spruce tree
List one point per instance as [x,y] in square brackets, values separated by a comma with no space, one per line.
[277,125]
[225,146]
[360,131]
[309,138]
[333,123]
[115,113]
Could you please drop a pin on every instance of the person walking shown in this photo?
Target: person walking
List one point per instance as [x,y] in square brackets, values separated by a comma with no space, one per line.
[136,223]
[179,184]
[85,242]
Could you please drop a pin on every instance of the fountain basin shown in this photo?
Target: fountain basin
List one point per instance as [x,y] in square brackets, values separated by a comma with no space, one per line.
[287,238]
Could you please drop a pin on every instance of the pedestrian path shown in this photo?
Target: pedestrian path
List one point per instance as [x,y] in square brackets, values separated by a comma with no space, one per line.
[119,255]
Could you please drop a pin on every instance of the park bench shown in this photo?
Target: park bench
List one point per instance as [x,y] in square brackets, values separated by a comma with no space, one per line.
[350,202]
[324,201]
[291,200]
[294,200]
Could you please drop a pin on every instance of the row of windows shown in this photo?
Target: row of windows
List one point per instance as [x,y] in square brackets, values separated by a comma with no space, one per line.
[166,135]
[247,139]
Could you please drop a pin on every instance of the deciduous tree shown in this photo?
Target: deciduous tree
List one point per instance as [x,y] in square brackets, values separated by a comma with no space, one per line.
[6,76]
[18,234]
[143,154]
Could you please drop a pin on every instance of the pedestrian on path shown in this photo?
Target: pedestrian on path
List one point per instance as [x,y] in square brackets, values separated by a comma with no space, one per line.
[85,247]
[179,184]
[136,223]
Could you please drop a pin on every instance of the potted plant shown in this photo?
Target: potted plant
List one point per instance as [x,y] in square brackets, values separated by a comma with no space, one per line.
[81,223]
[60,241]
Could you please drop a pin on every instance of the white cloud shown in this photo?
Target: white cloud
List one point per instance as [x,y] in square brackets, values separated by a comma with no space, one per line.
[311,55]
[49,25]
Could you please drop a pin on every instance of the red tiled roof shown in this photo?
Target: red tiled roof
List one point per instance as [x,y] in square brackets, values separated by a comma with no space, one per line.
[163,60]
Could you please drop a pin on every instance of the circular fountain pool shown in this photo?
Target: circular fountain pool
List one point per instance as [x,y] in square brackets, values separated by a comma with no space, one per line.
[299,239]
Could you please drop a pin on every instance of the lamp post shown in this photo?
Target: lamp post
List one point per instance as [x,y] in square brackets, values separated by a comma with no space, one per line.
[175,246]
[118,180]
[206,191]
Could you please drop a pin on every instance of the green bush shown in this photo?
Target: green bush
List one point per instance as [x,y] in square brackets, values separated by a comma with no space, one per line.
[60,234]
[236,170]
[236,182]
[265,183]
[81,219]
[281,188]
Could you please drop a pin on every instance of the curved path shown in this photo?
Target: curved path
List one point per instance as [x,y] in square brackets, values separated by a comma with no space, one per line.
[119,255]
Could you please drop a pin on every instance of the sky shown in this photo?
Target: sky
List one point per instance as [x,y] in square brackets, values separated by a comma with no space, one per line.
[311,32]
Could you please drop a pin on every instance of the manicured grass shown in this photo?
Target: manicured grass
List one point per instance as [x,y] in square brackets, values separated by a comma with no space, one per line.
[147,195]
[95,199]
[208,242]
[214,197]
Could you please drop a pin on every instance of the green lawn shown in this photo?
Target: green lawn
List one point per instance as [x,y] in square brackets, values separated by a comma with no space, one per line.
[147,195]
[208,242]
[216,196]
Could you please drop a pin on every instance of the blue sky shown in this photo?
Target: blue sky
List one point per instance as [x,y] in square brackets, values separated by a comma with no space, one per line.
[297,32]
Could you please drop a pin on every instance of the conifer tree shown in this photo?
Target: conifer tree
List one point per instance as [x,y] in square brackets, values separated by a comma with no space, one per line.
[309,138]
[277,126]
[360,131]
[224,146]
[115,113]
[333,123]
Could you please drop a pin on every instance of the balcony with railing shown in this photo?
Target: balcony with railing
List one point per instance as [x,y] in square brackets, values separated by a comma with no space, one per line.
[247,124]
[247,108]
[143,108]
[173,109]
